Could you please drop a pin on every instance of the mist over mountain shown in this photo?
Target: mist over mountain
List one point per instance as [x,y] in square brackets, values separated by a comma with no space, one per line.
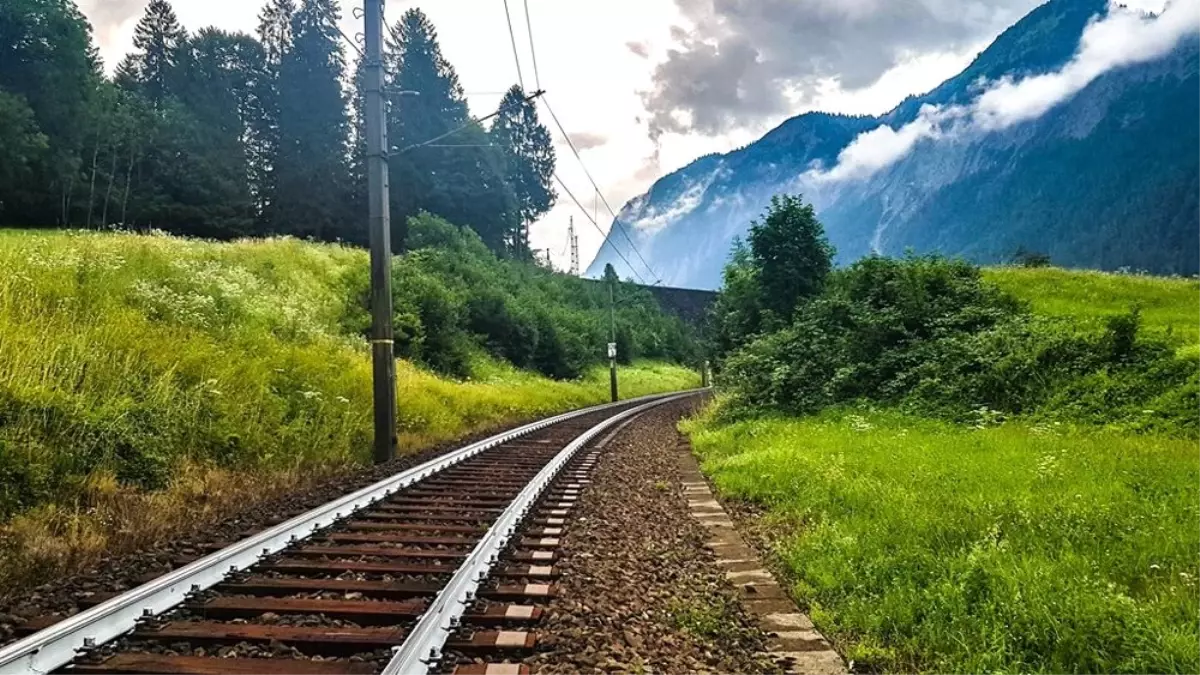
[1074,135]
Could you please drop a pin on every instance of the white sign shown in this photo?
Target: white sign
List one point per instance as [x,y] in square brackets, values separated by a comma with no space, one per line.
[612,350]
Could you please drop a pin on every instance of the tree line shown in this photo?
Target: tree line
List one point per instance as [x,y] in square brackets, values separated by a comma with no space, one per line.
[223,134]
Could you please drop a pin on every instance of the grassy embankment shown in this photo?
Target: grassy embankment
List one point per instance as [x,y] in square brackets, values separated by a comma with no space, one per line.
[1024,546]
[151,382]
[1168,305]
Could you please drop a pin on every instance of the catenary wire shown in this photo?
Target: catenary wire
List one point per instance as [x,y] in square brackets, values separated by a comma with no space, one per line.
[597,225]
[616,219]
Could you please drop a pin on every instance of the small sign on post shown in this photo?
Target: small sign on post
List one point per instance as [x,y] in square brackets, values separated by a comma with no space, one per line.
[612,350]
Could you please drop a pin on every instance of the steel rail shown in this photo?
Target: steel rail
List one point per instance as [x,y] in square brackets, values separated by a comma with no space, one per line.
[59,644]
[424,644]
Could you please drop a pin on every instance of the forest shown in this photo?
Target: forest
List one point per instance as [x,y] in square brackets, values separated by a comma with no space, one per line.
[223,135]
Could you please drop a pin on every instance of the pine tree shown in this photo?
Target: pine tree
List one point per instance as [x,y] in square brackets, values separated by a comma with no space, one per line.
[529,157]
[310,169]
[275,36]
[461,181]
[159,40]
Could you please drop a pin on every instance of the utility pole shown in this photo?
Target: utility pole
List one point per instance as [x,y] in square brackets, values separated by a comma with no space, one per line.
[383,360]
[612,345]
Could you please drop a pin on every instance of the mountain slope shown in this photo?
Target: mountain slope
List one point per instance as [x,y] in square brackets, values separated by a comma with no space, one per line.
[1107,179]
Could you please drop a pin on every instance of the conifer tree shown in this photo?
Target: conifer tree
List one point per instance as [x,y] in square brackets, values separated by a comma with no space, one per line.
[159,40]
[529,159]
[310,170]
[275,36]
[458,178]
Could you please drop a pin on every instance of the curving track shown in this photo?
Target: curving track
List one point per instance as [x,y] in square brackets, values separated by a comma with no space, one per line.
[441,568]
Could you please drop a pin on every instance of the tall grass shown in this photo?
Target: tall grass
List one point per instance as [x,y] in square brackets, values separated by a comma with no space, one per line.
[1168,305]
[148,365]
[926,546]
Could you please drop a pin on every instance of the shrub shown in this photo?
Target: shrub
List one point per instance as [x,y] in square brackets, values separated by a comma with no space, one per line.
[929,334]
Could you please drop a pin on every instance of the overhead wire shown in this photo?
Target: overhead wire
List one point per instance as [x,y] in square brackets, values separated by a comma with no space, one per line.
[597,226]
[620,227]
[570,143]
[537,78]
[512,36]
[353,43]
[472,122]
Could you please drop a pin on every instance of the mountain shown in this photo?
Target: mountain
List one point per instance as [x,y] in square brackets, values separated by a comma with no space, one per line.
[1107,178]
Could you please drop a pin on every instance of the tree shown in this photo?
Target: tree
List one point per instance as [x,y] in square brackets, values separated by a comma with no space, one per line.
[791,255]
[310,169]
[737,312]
[529,158]
[275,36]
[159,41]
[458,177]
[47,59]
[23,146]
[217,86]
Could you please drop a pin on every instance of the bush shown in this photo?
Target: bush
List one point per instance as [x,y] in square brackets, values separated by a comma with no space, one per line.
[452,296]
[929,334]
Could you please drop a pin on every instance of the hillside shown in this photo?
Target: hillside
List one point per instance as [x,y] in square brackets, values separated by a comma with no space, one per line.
[1168,306]
[147,377]
[1093,182]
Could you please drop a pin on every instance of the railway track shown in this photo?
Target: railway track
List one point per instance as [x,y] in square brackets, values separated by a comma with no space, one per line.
[445,567]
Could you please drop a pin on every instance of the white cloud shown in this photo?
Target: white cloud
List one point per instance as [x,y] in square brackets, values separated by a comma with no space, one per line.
[1126,36]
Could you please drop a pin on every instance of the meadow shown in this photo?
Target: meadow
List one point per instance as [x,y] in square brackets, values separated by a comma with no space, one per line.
[965,470]
[925,546]
[1168,305]
[153,382]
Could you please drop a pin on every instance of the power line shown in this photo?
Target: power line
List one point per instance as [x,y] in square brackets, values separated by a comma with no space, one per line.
[513,38]
[353,43]
[620,227]
[471,123]
[597,226]
[537,78]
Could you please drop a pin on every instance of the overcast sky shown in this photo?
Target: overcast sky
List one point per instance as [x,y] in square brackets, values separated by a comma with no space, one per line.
[646,86]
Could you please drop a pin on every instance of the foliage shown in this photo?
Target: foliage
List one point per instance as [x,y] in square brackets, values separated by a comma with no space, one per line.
[223,135]
[445,163]
[932,335]
[454,296]
[786,262]
[529,161]
[1167,306]
[921,546]
[117,347]
[790,253]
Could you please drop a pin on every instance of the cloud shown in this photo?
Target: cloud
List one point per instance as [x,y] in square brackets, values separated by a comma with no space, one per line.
[639,48]
[108,16]
[1124,37]
[586,140]
[745,62]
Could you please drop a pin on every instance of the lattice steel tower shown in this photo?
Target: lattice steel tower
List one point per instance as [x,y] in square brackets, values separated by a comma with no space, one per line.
[574,241]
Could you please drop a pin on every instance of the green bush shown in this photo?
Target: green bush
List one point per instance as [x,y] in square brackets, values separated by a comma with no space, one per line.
[930,334]
[453,296]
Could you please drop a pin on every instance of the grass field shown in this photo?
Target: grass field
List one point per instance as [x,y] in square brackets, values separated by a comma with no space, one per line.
[1167,304]
[150,380]
[923,546]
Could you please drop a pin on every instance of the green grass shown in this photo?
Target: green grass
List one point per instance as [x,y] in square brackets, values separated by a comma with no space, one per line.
[150,358]
[1167,304]
[925,546]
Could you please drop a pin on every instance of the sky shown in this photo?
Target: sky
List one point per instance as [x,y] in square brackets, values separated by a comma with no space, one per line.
[646,86]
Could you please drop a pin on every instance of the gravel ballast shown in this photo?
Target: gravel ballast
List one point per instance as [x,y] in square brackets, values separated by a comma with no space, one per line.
[639,591]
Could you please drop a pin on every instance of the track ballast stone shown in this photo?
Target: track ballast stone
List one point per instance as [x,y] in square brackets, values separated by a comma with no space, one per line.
[640,592]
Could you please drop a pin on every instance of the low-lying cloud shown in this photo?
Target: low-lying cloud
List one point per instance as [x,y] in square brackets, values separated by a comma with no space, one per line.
[742,63]
[1125,36]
